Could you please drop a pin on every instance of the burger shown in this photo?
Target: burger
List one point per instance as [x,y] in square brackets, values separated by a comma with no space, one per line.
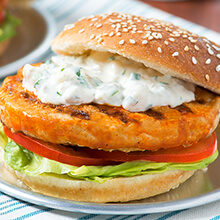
[126,110]
[8,23]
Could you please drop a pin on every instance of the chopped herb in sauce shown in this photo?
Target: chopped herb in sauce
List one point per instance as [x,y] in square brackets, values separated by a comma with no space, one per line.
[111,58]
[48,62]
[123,73]
[135,76]
[37,83]
[58,93]
[164,83]
[78,73]
[115,92]
[62,69]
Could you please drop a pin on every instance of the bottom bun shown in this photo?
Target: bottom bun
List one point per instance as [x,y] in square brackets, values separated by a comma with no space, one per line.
[121,189]
[3,46]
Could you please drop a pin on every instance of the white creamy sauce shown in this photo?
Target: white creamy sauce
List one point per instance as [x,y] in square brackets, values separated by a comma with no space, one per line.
[104,78]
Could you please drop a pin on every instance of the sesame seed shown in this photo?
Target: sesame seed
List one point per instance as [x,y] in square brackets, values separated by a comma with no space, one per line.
[185,36]
[100,40]
[166,42]
[155,35]
[159,49]
[111,34]
[210,51]
[171,39]
[92,36]
[144,42]
[206,40]
[150,37]
[121,41]
[118,25]
[194,35]
[194,60]
[147,35]
[99,25]
[94,19]
[217,48]
[113,26]
[207,45]
[82,30]
[207,77]
[159,35]
[196,47]
[186,48]
[125,30]
[69,26]
[175,54]
[208,61]
[132,41]
[218,55]
[218,68]
[118,34]
[193,40]
[98,36]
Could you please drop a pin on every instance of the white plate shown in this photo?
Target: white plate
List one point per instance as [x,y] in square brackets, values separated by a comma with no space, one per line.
[32,42]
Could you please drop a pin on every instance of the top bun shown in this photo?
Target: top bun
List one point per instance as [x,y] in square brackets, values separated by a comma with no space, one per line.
[157,44]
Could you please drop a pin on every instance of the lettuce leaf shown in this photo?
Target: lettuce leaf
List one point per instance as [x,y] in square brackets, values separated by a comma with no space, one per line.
[7,27]
[29,163]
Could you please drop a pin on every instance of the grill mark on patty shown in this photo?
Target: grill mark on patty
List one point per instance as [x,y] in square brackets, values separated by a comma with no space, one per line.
[154,114]
[114,112]
[29,97]
[76,113]
[61,108]
[183,109]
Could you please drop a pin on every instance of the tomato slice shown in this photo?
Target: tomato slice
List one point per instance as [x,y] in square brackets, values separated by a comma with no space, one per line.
[60,153]
[79,156]
[2,15]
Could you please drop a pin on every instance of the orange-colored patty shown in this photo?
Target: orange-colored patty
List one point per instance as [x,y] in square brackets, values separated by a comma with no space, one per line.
[106,127]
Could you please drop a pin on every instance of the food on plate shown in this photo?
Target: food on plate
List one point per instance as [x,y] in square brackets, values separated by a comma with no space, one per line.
[8,23]
[125,111]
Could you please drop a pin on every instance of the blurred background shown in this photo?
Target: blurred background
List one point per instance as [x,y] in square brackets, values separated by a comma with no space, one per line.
[203,12]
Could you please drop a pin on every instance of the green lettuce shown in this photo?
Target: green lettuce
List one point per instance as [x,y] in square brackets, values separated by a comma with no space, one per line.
[7,28]
[29,163]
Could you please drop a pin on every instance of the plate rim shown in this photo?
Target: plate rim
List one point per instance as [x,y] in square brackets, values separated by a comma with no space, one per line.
[27,195]
[41,49]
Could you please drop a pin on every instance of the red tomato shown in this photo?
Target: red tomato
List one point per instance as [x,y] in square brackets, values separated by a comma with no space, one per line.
[2,15]
[60,153]
[78,156]
[3,4]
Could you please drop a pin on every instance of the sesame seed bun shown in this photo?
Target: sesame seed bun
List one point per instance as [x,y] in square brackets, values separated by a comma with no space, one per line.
[157,44]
